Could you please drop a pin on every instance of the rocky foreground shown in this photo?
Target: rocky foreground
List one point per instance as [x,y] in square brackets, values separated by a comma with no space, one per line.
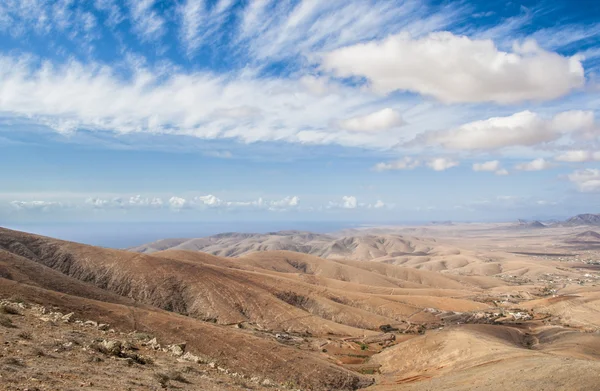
[45,349]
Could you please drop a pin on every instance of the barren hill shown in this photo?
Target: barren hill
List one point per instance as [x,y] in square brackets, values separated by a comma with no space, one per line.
[584,219]
[292,320]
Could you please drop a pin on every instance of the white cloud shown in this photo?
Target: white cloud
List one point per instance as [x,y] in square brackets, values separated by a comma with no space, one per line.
[287,201]
[375,122]
[147,23]
[587,180]
[406,163]
[349,202]
[178,203]
[578,156]
[43,206]
[534,165]
[378,205]
[493,165]
[92,97]
[521,129]
[459,69]
[192,17]
[124,202]
[442,164]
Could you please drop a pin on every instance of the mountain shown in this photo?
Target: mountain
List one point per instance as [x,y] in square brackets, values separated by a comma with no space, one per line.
[587,236]
[529,224]
[277,319]
[583,219]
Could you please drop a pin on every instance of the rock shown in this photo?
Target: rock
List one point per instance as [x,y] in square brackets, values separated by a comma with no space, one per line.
[90,323]
[153,344]
[190,357]
[103,326]
[111,347]
[268,383]
[212,364]
[380,338]
[177,349]
[68,317]
[286,338]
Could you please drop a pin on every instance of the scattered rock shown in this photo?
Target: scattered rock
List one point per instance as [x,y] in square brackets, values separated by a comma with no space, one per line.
[68,317]
[111,347]
[191,358]
[380,338]
[177,349]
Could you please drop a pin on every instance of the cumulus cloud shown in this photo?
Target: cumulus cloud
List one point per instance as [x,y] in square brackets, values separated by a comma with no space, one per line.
[521,129]
[587,180]
[458,69]
[534,165]
[375,122]
[406,163]
[442,164]
[124,202]
[377,205]
[578,156]
[347,202]
[178,203]
[285,203]
[43,206]
[492,165]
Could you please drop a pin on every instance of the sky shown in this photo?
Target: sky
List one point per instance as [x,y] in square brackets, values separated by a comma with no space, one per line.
[363,111]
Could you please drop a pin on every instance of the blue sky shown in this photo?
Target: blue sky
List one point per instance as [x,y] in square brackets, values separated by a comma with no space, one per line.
[338,111]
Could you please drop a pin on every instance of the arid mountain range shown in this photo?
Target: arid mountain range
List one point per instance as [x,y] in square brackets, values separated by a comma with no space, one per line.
[457,307]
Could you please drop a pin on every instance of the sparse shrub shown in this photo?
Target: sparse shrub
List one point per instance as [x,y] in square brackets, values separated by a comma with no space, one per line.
[25,335]
[368,371]
[6,322]
[163,379]
[17,299]
[292,298]
[9,310]
[177,376]
[13,361]
[364,346]
[142,336]
[386,328]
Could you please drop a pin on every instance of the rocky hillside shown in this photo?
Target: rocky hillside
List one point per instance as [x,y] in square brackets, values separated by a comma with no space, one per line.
[357,247]
[584,219]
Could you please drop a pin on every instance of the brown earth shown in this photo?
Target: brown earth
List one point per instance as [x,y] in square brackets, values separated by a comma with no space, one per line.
[303,322]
